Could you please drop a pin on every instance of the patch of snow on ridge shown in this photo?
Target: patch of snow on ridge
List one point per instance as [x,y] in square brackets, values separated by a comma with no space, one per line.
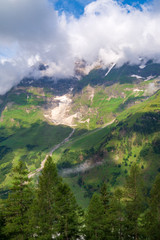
[136,76]
[112,66]
[149,78]
[137,90]
[142,66]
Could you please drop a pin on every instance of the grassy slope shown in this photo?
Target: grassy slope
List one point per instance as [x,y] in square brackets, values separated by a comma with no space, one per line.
[24,134]
[130,139]
[107,103]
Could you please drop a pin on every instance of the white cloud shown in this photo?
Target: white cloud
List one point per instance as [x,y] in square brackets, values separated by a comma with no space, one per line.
[10,74]
[32,32]
[113,32]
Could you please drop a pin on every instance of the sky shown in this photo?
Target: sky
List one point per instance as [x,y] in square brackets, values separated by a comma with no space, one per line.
[76,7]
[60,33]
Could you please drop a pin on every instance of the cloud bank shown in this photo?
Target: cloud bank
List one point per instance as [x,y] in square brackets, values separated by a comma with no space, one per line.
[32,32]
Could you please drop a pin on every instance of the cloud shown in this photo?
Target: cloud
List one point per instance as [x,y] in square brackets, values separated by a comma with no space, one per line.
[32,32]
[10,74]
[116,33]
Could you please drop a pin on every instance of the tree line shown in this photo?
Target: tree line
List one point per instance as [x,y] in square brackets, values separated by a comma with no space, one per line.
[50,211]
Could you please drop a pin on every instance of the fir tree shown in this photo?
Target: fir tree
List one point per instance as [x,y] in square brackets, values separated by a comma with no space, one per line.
[134,203]
[104,196]
[95,219]
[2,224]
[18,204]
[117,214]
[105,200]
[44,208]
[153,215]
[55,212]
[69,215]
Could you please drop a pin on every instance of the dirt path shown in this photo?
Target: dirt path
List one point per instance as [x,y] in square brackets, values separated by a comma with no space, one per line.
[107,124]
[80,168]
[32,174]
[87,164]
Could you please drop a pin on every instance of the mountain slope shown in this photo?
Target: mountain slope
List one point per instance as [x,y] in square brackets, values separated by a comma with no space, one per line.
[110,110]
[110,151]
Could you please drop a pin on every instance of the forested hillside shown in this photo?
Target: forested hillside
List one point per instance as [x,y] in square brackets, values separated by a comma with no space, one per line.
[50,211]
[79,120]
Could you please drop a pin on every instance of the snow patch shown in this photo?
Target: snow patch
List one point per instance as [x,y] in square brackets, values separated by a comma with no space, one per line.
[142,66]
[112,66]
[136,76]
[137,90]
[149,78]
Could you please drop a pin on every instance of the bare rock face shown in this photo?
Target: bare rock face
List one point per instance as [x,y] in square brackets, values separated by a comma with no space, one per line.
[60,114]
[82,68]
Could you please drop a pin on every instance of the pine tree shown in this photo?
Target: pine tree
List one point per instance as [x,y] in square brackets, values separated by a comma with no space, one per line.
[55,212]
[134,203]
[95,219]
[2,224]
[69,225]
[105,199]
[18,204]
[44,217]
[153,215]
[117,214]
[104,196]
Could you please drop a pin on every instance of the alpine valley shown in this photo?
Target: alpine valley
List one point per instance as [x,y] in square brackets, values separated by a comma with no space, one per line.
[95,126]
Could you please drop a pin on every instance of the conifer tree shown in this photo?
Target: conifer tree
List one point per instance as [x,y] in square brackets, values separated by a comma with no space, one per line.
[2,224]
[153,215]
[18,204]
[69,215]
[55,212]
[44,209]
[105,200]
[134,203]
[117,214]
[104,196]
[95,219]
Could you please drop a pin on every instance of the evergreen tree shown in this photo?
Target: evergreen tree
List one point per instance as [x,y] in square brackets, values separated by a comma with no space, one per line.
[2,224]
[18,204]
[44,209]
[55,212]
[105,199]
[69,215]
[117,214]
[104,196]
[134,203]
[153,215]
[95,219]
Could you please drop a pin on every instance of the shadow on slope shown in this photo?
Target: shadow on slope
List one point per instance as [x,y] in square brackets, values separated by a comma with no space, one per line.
[125,74]
[29,144]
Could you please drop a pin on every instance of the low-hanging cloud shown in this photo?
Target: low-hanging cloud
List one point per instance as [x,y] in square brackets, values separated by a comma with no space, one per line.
[32,32]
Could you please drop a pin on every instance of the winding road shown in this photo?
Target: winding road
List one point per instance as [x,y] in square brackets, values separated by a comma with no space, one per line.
[32,174]
[67,171]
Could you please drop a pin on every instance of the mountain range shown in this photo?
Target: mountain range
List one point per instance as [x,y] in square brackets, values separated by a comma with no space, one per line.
[95,126]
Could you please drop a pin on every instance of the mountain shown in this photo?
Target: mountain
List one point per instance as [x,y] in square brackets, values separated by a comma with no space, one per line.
[116,116]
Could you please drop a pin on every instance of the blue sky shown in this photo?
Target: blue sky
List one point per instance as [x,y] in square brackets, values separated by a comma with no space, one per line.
[76,7]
